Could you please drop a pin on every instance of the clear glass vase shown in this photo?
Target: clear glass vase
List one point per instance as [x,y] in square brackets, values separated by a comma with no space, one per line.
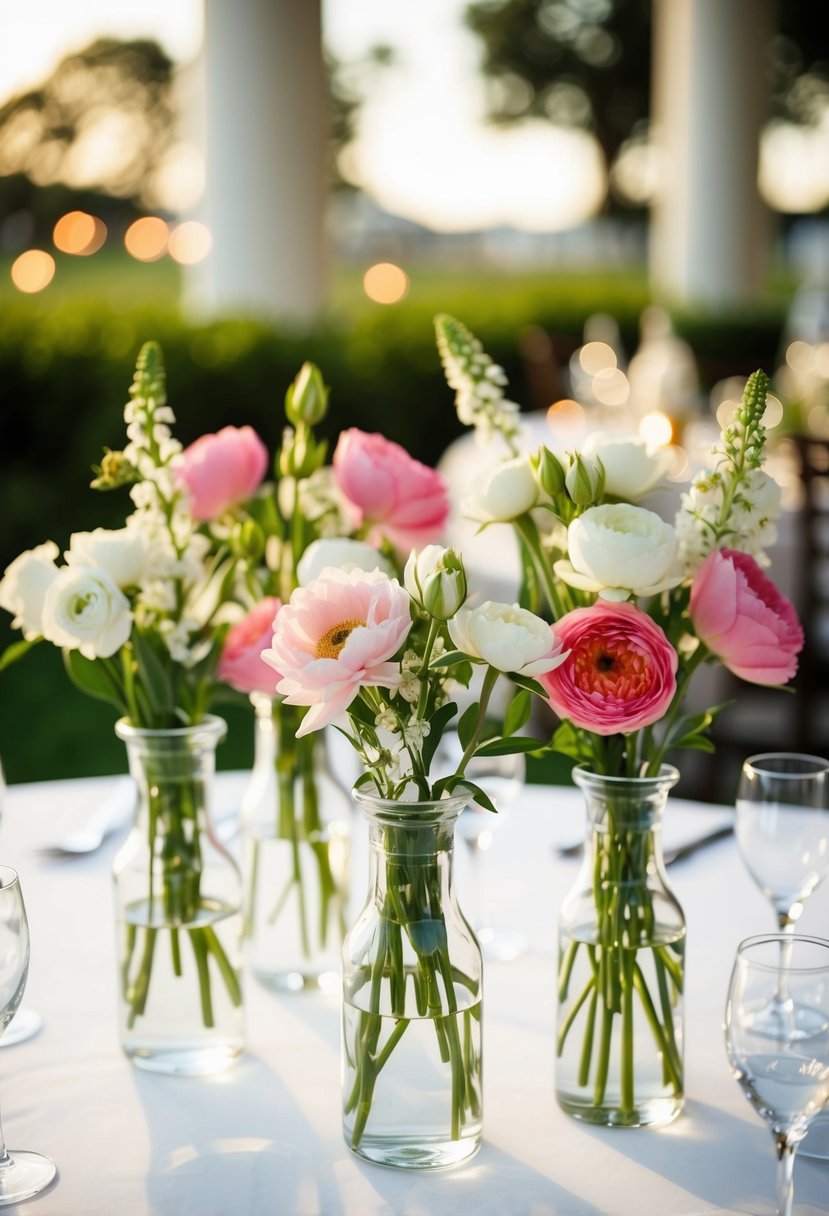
[621,962]
[411,1014]
[296,828]
[179,909]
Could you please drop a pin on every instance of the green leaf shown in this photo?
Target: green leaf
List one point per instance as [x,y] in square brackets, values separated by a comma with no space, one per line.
[153,675]
[466,726]
[453,656]
[480,796]
[437,725]
[569,742]
[427,936]
[16,651]
[529,684]
[508,747]
[518,711]
[93,679]
[694,743]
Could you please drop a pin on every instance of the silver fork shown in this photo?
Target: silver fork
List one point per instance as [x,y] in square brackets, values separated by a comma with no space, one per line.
[113,813]
[670,855]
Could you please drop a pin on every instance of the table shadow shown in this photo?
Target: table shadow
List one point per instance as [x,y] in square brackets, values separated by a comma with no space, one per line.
[253,1151]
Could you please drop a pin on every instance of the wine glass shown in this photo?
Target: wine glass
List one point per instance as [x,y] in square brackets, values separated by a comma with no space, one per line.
[782,830]
[22,1173]
[786,1078]
[502,779]
[26,1023]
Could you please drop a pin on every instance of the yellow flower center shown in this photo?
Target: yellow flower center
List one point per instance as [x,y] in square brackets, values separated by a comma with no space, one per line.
[333,640]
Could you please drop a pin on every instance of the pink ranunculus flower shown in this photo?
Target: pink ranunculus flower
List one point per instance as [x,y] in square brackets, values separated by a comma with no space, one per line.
[220,470]
[621,671]
[399,497]
[240,664]
[336,635]
[743,619]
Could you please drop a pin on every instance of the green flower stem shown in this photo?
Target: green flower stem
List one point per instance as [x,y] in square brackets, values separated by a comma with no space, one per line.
[490,679]
[525,526]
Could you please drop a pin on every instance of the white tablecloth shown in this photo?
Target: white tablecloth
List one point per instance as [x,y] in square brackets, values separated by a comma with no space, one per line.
[264,1137]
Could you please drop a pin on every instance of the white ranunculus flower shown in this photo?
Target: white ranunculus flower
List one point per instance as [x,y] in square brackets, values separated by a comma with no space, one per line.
[84,610]
[631,467]
[507,491]
[507,637]
[436,581]
[24,585]
[120,551]
[341,552]
[619,550]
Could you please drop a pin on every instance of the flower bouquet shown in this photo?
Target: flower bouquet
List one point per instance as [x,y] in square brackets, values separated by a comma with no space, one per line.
[389,657]
[638,604]
[137,614]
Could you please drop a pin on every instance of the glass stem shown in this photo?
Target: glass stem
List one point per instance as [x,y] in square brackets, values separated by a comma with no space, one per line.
[786,923]
[785,1174]
[5,1159]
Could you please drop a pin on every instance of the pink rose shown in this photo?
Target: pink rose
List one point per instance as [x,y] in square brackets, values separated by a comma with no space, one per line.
[336,635]
[621,672]
[241,665]
[742,618]
[398,496]
[222,469]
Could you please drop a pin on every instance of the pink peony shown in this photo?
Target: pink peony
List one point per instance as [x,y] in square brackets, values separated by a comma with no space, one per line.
[222,469]
[241,664]
[742,618]
[621,672]
[336,635]
[398,496]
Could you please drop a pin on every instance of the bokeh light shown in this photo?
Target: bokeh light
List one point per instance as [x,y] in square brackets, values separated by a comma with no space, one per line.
[190,243]
[33,270]
[596,357]
[79,233]
[610,386]
[385,283]
[656,429]
[146,239]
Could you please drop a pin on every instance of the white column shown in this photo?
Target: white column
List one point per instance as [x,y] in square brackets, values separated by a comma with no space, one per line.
[710,231]
[266,145]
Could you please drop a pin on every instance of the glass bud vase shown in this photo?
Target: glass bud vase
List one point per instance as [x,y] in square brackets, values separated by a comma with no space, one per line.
[179,909]
[411,1012]
[621,962]
[296,827]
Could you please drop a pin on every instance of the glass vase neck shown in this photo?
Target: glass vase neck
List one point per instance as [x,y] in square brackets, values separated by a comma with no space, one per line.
[632,803]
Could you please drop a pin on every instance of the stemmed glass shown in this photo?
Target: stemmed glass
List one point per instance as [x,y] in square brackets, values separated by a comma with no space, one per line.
[27,1022]
[786,1078]
[782,830]
[22,1174]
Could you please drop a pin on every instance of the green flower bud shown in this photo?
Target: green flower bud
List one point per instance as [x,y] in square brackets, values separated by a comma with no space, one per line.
[306,401]
[436,580]
[549,472]
[249,540]
[585,481]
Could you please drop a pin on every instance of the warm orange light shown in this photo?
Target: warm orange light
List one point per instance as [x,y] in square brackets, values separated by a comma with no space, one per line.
[33,270]
[385,283]
[656,429]
[566,413]
[190,242]
[146,239]
[79,233]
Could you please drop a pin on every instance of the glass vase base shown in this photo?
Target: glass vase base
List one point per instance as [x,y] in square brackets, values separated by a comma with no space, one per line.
[654,1113]
[328,981]
[24,1175]
[25,1024]
[405,1154]
[186,1061]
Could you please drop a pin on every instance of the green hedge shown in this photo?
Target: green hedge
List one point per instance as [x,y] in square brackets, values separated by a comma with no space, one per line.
[65,371]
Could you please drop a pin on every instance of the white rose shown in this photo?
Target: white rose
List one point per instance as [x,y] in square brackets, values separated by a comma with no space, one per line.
[84,610]
[631,467]
[121,552]
[507,637]
[341,552]
[436,581]
[24,585]
[620,550]
[507,491]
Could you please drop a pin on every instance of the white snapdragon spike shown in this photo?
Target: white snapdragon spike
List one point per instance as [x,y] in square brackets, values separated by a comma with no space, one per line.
[322,502]
[505,492]
[618,551]
[631,467]
[119,551]
[84,610]
[24,585]
[342,552]
[507,637]
[477,381]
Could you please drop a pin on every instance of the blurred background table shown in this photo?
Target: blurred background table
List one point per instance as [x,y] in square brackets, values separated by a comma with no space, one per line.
[264,1137]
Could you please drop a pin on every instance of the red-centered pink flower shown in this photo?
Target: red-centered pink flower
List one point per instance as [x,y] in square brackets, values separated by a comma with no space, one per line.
[240,664]
[220,470]
[743,619]
[336,635]
[399,497]
[621,671]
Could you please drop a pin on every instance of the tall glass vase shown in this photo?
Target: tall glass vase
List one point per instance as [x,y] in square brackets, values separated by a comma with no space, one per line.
[621,962]
[296,826]
[411,1013]
[178,905]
